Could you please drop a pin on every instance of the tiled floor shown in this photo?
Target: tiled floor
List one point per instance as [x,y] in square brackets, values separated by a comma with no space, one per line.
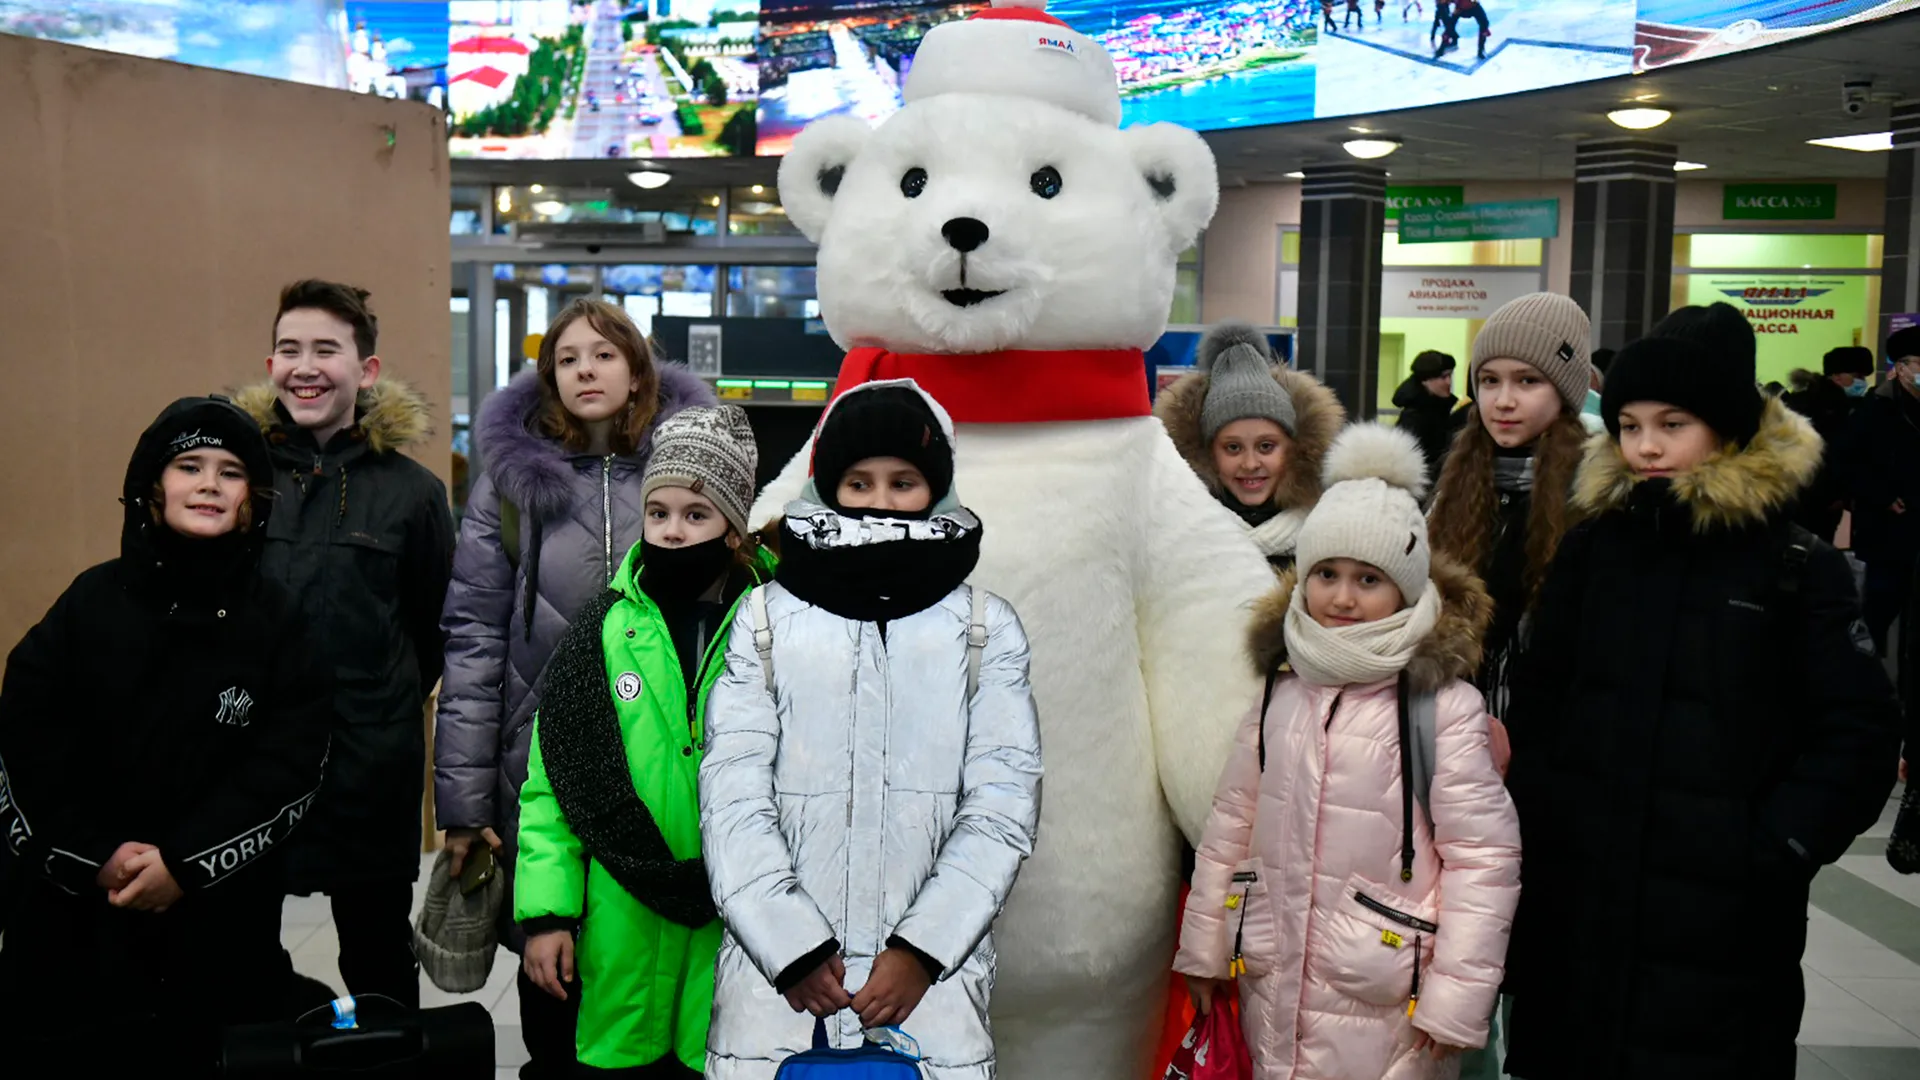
[1863,970]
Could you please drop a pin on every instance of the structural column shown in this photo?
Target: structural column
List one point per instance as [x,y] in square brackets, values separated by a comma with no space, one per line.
[1899,274]
[1343,210]
[1623,236]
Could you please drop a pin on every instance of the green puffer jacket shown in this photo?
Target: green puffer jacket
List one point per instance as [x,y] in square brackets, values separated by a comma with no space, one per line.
[646,978]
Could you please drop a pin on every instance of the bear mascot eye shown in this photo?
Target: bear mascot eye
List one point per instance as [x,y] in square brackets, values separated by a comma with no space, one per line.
[914,182]
[1045,181]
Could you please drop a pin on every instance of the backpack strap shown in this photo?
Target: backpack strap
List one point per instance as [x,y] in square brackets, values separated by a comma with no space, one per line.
[1266,699]
[1794,554]
[762,633]
[1419,724]
[976,639]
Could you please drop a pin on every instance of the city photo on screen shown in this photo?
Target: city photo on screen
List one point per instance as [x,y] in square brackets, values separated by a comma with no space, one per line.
[397,49]
[1678,31]
[297,40]
[820,58]
[1205,65]
[601,79]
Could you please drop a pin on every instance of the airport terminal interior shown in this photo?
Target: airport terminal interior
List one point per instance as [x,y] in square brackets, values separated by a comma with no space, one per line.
[1391,173]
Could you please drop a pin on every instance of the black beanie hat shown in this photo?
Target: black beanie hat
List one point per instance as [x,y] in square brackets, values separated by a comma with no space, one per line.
[1691,375]
[1903,343]
[886,421]
[1848,360]
[1432,364]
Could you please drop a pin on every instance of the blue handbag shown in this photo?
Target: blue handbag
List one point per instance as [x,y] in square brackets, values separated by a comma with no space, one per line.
[868,1062]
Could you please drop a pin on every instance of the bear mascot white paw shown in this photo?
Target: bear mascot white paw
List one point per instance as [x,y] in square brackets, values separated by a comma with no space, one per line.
[1003,242]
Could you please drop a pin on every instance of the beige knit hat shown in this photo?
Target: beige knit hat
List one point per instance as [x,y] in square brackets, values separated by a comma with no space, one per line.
[711,452]
[456,934]
[1546,330]
[1375,477]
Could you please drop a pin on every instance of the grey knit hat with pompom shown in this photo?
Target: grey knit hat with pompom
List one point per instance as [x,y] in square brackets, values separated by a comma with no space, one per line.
[1238,364]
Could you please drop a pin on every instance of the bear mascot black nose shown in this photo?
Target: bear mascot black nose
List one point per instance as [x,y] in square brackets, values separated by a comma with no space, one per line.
[964,233]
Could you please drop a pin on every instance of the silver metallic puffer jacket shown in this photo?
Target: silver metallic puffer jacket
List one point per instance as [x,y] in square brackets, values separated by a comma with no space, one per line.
[865,798]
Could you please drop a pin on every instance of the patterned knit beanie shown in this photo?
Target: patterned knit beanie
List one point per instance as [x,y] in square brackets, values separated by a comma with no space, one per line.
[710,452]
[1546,330]
[1375,477]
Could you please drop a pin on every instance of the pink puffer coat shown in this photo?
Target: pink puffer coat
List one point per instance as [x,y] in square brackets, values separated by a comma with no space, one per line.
[1311,850]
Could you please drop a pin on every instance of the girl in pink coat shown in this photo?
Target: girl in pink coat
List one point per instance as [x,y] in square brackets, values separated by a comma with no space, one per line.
[1372,935]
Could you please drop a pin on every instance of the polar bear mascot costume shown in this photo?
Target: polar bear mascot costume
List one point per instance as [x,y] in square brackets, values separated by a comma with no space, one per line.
[1003,242]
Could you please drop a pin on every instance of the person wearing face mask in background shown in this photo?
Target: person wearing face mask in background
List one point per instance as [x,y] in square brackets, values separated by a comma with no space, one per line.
[163,730]
[1829,400]
[1426,402]
[611,888]
[563,452]
[1254,431]
[1878,466]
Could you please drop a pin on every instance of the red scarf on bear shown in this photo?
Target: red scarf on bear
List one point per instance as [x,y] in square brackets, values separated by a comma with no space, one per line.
[1017,386]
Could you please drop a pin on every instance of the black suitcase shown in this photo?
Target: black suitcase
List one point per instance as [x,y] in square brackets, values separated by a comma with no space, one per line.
[390,1042]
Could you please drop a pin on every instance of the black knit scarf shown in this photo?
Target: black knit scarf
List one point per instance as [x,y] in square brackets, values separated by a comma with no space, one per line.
[586,762]
[877,582]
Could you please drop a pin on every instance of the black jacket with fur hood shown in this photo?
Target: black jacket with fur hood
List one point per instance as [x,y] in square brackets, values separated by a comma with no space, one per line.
[1698,724]
[1318,417]
[362,536]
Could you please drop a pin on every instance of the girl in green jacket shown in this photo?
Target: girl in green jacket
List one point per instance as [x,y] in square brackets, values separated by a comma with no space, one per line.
[611,889]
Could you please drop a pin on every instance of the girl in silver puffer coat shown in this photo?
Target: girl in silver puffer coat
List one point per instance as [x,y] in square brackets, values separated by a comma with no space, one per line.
[871,781]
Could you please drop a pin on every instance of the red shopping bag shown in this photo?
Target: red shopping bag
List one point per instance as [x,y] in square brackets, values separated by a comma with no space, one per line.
[1214,1049]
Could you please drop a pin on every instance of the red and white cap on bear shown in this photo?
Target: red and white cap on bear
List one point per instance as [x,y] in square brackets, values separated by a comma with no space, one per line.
[1015,48]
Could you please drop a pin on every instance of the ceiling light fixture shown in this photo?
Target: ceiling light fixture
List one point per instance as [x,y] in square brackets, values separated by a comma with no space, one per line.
[1687,166]
[1640,119]
[1874,142]
[504,200]
[549,208]
[759,189]
[537,188]
[1368,149]
[1296,176]
[650,178]
[1358,130]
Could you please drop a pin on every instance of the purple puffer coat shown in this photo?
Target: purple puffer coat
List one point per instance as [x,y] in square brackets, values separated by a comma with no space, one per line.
[494,659]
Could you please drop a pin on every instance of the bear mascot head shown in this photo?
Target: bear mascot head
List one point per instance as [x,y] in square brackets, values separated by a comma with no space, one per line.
[1005,244]
[1003,207]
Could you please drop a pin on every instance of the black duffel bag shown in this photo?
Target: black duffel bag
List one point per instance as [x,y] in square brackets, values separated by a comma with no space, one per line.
[388,1040]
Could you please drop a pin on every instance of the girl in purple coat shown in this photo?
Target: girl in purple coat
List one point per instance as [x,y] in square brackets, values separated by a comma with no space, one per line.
[550,518]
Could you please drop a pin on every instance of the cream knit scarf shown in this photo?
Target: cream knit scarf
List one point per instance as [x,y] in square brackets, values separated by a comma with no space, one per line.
[1278,534]
[1360,654]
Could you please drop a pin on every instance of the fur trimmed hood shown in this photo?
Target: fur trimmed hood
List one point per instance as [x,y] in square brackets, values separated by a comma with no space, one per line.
[531,469]
[1318,417]
[1451,652]
[392,413]
[1736,486]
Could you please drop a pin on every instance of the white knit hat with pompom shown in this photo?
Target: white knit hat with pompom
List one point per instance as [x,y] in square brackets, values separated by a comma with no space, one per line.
[1375,477]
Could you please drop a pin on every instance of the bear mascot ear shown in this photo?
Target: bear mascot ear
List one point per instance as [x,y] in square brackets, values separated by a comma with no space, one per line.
[1177,167]
[811,172]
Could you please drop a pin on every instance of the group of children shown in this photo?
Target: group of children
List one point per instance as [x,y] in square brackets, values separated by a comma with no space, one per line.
[760,789]
[1698,722]
[229,711]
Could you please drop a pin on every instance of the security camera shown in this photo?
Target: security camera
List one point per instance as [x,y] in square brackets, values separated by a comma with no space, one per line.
[1853,96]
[593,249]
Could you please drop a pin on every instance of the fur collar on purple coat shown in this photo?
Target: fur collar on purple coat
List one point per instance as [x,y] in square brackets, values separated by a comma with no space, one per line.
[533,471]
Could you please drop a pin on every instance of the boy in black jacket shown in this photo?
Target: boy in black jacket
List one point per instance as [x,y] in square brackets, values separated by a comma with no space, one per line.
[363,537]
[162,731]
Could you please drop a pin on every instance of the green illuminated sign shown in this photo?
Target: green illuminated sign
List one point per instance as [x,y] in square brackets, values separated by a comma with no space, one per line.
[1528,219]
[1416,197]
[1780,202]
